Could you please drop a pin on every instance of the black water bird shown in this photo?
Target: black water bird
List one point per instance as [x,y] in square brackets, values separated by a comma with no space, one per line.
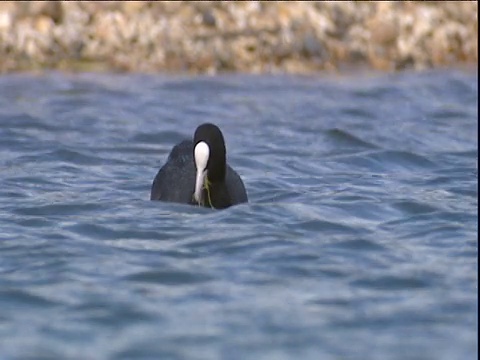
[197,173]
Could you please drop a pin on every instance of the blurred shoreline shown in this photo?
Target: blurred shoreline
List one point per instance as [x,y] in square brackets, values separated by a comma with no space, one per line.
[250,37]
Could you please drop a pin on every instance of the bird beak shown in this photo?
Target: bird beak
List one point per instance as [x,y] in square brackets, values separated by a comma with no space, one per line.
[201,154]
[199,184]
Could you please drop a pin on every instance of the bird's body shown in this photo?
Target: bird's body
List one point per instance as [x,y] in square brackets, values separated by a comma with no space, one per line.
[178,180]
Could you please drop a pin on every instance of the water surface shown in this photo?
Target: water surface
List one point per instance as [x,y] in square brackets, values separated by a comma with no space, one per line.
[359,240]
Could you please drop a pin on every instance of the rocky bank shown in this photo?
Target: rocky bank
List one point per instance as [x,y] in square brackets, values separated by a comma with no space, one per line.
[251,36]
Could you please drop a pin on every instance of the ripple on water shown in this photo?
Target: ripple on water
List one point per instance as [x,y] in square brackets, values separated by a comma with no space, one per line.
[343,139]
[57,209]
[24,299]
[386,161]
[170,277]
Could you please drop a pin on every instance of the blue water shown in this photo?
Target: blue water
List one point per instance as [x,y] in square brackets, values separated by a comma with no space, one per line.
[359,240]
